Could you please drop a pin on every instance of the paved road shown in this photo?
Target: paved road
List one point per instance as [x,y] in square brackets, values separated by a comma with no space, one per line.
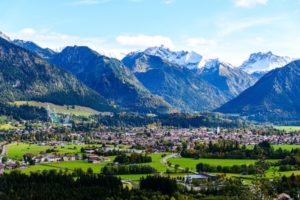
[3,147]
[164,161]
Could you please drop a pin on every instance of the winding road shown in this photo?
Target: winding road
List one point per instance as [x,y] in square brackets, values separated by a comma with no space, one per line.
[164,161]
[3,148]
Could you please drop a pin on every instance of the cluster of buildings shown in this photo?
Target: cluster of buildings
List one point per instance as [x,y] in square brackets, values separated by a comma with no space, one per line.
[152,140]
[166,139]
[55,158]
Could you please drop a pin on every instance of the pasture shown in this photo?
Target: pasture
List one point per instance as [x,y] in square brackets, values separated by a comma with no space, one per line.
[68,165]
[191,163]
[288,128]
[288,147]
[17,150]
[156,162]
[63,109]
[5,127]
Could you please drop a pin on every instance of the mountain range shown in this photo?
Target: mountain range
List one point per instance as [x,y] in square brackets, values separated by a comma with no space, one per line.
[228,79]
[276,96]
[188,89]
[110,78]
[179,86]
[260,63]
[156,80]
[26,76]
[190,60]
[44,53]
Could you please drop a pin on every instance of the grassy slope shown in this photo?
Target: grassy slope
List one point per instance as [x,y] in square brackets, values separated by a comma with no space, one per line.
[288,128]
[78,110]
[5,127]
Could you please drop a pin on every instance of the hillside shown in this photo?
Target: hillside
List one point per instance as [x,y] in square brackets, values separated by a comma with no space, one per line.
[25,76]
[275,97]
[111,79]
[181,87]
[44,53]
[230,80]
[62,109]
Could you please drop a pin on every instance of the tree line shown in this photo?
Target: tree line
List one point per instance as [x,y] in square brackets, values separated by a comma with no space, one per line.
[229,149]
[128,169]
[60,185]
[235,169]
[180,120]
[133,158]
[23,112]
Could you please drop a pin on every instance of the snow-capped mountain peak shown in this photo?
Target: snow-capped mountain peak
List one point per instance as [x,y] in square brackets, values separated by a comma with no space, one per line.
[264,62]
[2,35]
[188,59]
[212,63]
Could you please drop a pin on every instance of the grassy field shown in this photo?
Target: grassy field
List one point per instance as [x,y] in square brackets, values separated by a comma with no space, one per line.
[77,110]
[271,173]
[17,150]
[132,177]
[156,162]
[288,128]
[282,146]
[286,146]
[69,165]
[191,163]
[5,127]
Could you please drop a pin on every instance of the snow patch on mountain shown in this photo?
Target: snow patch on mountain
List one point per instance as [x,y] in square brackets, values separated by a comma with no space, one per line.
[264,62]
[188,59]
[2,35]
[212,63]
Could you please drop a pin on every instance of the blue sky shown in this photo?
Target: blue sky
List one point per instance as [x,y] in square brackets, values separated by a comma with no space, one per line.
[228,29]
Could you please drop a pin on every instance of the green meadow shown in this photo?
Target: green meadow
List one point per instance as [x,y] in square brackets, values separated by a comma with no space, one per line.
[68,165]
[288,128]
[63,109]
[288,147]
[191,163]
[17,150]
[5,127]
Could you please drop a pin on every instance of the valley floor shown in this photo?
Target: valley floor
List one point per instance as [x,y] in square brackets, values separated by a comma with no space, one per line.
[164,163]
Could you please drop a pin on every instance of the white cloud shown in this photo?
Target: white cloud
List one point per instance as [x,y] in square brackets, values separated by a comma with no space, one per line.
[54,40]
[27,31]
[58,41]
[250,3]
[144,40]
